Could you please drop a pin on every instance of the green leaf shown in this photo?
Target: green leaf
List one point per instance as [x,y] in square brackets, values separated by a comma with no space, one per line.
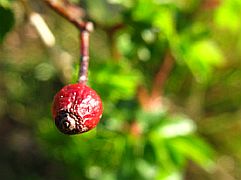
[164,20]
[149,119]
[142,13]
[228,15]
[6,23]
[174,143]
[116,81]
[165,161]
[5,3]
[150,169]
[125,44]
[196,149]
[174,126]
[169,175]
[202,57]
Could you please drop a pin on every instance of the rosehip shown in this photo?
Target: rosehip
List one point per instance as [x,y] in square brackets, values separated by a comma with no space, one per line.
[76,109]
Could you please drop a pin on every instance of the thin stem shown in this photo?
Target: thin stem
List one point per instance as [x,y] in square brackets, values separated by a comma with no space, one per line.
[162,75]
[152,101]
[84,56]
[74,14]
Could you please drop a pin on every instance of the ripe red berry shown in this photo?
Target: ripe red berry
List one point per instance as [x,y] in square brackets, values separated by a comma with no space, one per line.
[76,109]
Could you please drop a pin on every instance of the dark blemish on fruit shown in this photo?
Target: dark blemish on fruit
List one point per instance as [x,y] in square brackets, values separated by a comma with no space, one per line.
[70,114]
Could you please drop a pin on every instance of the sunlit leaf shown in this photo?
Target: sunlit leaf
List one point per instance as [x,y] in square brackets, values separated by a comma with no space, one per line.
[228,15]
[176,157]
[164,160]
[195,149]
[172,175]
[175,126]
[147,170]
[6,3]
[164,20]
[124,44]
[142,13]
[174,143]
[150,120]
[201,57]
[116,81]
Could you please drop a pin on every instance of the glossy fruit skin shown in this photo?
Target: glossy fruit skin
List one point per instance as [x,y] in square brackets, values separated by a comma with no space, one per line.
[76,109]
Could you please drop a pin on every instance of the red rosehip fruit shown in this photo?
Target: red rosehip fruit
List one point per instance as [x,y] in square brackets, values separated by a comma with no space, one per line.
[76,109]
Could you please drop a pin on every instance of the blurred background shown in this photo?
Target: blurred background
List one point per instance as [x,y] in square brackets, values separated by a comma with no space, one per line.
[168,72]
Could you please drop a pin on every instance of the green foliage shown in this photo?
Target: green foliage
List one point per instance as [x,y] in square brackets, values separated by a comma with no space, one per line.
[201,57]
[6,3]
[161,153]
[131,141]
[227,15]
[115,81]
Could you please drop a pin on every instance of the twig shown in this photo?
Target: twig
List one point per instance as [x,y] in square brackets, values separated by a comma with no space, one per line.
[162,75]
[72,13]
[153,101]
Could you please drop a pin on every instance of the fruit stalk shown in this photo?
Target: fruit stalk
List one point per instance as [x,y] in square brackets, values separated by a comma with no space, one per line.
[84,56]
